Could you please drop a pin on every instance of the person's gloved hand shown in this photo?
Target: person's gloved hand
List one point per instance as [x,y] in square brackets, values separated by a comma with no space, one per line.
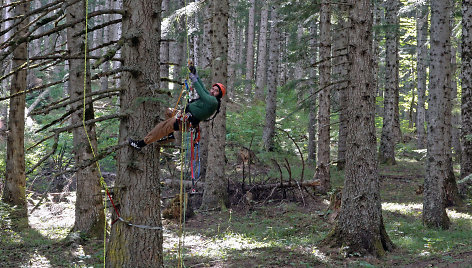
[193,77]
[192,69]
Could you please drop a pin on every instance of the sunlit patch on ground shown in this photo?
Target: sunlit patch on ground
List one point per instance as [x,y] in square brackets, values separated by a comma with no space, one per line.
[38,260]
[413,209]
[215,248]
[458,215]
[407,209]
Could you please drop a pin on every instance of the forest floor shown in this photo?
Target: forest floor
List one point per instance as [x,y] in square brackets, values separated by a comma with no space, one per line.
[283,231]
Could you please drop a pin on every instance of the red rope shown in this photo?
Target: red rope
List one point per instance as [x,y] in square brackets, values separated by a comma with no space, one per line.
[114,207]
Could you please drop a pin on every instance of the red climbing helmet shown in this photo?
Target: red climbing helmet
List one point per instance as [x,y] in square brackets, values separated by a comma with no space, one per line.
[222,88]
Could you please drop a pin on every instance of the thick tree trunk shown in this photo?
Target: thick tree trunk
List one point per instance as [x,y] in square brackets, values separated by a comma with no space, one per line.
[261,77]
[422,14]
[215,194]
[434,212]
[323,155]
[205,63]
[89,215]
[312,99]
[271,98]
[389,139]
[14,192]
[250,48]
[360,226]
[137,184]
[466,77]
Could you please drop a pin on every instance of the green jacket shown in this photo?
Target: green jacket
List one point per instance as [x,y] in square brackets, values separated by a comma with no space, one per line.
[202,108]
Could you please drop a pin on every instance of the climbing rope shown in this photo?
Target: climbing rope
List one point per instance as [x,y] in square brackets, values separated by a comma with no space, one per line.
[183,206]
[102,180]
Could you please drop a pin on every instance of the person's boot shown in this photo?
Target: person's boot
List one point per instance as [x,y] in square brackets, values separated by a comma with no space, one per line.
[136,144]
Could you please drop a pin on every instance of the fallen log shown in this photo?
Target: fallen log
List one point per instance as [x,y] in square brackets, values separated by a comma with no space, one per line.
[312,183]
[188,183]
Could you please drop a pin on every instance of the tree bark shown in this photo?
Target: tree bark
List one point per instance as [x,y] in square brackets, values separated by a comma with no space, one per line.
[271,98]
[455,107]
[422,15]
[164,49]
[389,139]
[261,77]
[89,215]
[205,63]
[450,187]
[322,172]
[232,52]
[137,184]
[250,48]
[360,227]
[340,74]
[434,212]
[14,192]
[312,98]
[215,194]
[466,77]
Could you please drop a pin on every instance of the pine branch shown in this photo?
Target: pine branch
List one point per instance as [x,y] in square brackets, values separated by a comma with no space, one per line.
[98,27]
[54,147]
[103,94]
[104,45]
[89,122]
[29,37]
[109,54]
[32,89]
[115,71]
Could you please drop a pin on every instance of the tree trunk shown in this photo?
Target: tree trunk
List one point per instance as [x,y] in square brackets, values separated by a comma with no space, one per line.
[389,139]
[261,77]
[283,67]
[323,155]
[271,98]
[215,194]
[250,48]
[205,61]
[434,212]
[116,30]
[137,192]
[312,99]
[105,65]
[450,187]
[360,227]
[14,192]
[232,52]
[89,216]
[466,77]
[300,66]
[422,15]
[164,50]
[455,108]
[241,40]
[340,73]
[178,51]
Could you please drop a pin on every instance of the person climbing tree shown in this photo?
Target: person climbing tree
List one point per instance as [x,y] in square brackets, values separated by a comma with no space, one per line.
[197,110]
